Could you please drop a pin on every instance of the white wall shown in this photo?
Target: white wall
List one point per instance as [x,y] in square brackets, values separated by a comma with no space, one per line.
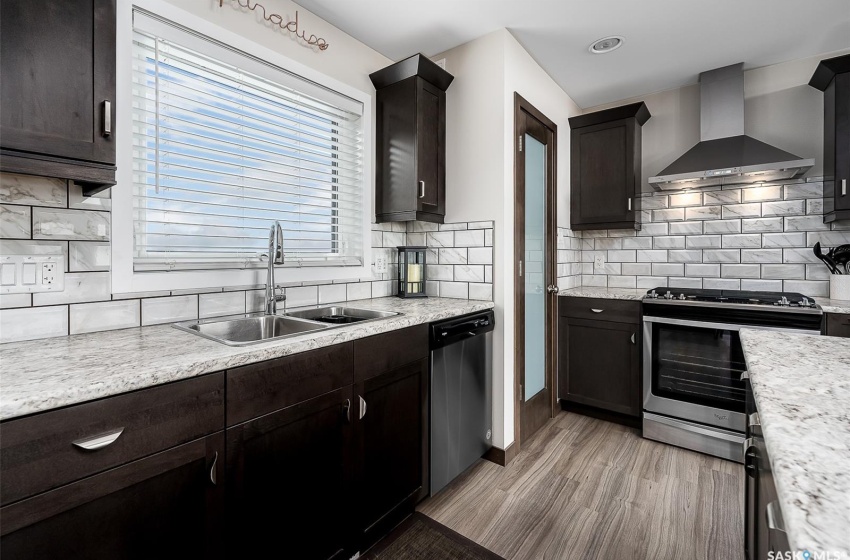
[480,175]
[779,108]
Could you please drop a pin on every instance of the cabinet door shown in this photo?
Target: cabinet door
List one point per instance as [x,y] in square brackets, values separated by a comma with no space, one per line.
[393,446]
[602,364]
[288,481]
[59,61]
[603,173]
[838,324]
[430,147]
[166,505]
[841,146]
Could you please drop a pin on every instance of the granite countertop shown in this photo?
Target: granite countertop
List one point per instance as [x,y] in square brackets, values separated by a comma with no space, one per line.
[603,293]
[801,385]
[834,305]
[40,375]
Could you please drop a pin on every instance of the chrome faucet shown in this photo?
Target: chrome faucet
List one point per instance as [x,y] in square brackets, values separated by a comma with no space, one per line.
[275,256]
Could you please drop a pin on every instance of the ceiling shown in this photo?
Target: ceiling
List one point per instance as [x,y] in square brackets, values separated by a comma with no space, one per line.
[667,42]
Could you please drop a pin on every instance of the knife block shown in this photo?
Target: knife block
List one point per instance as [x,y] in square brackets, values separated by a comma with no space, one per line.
[839,287]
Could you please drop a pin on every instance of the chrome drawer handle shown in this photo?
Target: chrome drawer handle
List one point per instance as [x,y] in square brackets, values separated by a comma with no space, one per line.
[421,189]
[748,443]
[745,376]
[212,469]
[362,407]
[774,517]
[107,118]
[754,420]
[843,187]
[99,441]
[597,310]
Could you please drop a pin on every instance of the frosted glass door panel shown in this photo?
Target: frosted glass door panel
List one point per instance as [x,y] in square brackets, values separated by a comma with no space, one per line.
[534,267]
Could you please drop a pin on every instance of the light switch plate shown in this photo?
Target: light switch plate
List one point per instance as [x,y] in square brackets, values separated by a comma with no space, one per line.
[27,274]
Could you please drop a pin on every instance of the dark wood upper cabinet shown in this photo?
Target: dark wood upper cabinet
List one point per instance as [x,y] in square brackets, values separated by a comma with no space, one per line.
[605,168]
[832,77]
[410,171]
[599,354]
[289,477]
[58,90]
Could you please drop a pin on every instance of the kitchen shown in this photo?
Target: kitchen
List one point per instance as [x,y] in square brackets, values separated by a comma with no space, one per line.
[616,272]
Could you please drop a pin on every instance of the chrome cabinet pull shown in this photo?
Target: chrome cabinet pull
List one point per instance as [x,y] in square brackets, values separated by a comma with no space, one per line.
[421,189]
[362,407]
[212,470]
[749,467]
[99,441]
[754,420]
[107,117]
[745,376]
[774,517]
[633,338]
[843,187]
[347,408]
[748,443]
[630,204]
[597,310]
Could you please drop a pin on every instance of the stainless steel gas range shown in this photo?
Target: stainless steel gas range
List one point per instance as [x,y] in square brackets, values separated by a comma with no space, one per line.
[693,362]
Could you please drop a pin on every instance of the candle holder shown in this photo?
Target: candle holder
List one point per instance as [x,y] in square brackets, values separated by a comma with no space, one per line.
[411,272]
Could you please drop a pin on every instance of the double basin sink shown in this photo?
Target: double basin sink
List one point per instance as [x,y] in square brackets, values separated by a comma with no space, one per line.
[253,328]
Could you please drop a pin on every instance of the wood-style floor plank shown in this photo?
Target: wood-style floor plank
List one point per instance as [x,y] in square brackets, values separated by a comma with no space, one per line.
[583,488]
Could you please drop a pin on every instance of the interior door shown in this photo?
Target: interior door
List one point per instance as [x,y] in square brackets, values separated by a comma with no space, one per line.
[535,284]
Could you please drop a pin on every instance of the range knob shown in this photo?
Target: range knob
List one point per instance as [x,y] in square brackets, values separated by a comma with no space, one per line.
[682,296]
[668,295]
[806,303]
[653,294]
[784,302]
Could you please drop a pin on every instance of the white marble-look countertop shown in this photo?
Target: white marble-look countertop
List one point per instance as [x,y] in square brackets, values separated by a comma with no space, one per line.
[801,385]
[603,293]
[40,375]
[834,305]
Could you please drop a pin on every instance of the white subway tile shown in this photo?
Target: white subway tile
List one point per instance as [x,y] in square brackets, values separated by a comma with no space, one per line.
[668,215]
[454,256]
[383,288]
[622,282]
[686,199]
[649,282]
[702,270]
[637,243]
[332,293]
[669,242]
[453,227]
[750,210]
[481,292]
[105,316]
[30,323]
[703,213]
[605,243]
[598,281]
[79,287]
[469,273]
[608,268]
[762,225]
[482,255]
[651,256]
[457,290]
[637,269]
[686,228]
[703,241]
[799,256]
[761,256]
[785,208]
[668,269]
[394,239]
[737,241]
[255,300]
[222,303]
[770,240]
[721,284]
[761,285]
[440,239]
[691,283]
[828,238]
[804,190]
[49,223]
[302,296]
[685,256]
[156,311]
[488,224]
[439,272]
[813,272]
[359,290]
[813,288]
[33,191]
[88,256]
[760,194]
[783,271]
[8,301]
[15,221]
[722,197]
[805,223]
[421,227]
[488,237]
[621,233]
[657,202]
[721,256]
[653,229]
[471,238]
[722,226]
[740,271]
[415,240]
[622,256]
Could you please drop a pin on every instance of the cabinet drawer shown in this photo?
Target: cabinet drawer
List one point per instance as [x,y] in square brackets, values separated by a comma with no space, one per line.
[619,311]
[838,325]
[48,450]
[261,388]
[377,354]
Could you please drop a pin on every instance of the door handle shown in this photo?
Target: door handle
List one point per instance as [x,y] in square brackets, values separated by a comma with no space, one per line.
[347,409]
[107,117]
[633,338]
[421,189]
[553,289]
[362,407]
[99,441]
[843,187]
[597,310]
[630,204]
[212,469]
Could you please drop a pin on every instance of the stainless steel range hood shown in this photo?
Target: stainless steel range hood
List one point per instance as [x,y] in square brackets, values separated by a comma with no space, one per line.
[725,155]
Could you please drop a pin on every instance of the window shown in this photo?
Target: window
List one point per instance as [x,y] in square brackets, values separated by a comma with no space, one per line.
[224,144]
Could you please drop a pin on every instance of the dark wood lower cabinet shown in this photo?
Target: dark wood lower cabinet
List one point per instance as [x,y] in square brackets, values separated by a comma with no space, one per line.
[289,476]
[599,363]
[837,324]
[168,505]
[393,447]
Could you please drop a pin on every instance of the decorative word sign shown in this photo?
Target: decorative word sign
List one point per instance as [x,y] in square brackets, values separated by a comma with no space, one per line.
[277,19]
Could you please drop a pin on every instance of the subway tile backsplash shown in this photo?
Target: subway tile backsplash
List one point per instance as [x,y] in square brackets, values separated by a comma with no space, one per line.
[747,238]
[43,215]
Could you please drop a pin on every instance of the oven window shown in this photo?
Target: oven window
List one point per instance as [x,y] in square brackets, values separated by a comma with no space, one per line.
[698,365]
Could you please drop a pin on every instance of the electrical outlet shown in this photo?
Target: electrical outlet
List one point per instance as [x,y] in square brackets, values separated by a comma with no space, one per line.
[380,264]
[598,261]
[48,273]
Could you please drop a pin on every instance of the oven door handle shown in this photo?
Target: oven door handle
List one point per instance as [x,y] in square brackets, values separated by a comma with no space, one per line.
[722,326]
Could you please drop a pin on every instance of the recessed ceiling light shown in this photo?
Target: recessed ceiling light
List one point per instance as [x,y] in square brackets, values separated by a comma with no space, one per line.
[606,44]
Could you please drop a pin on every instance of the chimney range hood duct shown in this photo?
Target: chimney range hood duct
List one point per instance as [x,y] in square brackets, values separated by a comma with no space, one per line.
[725,155]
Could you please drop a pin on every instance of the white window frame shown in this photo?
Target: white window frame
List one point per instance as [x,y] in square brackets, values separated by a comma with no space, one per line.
[124,278]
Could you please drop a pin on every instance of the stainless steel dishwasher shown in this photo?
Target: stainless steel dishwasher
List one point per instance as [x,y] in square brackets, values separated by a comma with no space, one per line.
[461,394]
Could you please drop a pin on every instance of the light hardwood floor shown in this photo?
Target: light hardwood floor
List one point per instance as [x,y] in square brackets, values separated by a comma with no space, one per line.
[585,488]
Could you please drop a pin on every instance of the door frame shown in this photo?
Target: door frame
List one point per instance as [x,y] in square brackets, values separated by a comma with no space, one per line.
[522,105]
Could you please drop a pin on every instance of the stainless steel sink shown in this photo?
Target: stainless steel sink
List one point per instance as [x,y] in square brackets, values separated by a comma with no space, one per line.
[338,315]
[251,328]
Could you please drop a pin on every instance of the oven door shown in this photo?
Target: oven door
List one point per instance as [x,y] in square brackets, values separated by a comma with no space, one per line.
[692,370]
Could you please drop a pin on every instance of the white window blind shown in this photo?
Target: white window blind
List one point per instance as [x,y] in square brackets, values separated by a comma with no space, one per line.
[224,144]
